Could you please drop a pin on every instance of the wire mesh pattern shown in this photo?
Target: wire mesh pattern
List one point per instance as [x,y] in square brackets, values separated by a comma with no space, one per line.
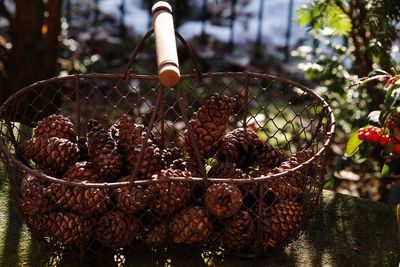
[247,211]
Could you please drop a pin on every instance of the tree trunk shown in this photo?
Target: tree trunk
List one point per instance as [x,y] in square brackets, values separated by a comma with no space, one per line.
[34,28]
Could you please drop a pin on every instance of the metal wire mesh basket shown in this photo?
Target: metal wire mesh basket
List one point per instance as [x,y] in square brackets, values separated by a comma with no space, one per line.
[259,209]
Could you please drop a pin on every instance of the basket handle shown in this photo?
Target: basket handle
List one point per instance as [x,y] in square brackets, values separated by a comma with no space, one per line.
[167,59]
[167,55]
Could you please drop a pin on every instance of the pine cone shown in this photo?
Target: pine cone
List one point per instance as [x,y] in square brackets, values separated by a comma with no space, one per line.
[83,200]
[132,142]
[130,134]
[68,228]
[223,200]
[191,225]
[239,233]
[267,157]
[151,162]
[115,229]
[103,151]
[299,178]
[131,198]
[55,126]
[157,235]
[168,197]
[209,124]
[34,196]
[282,222]
[238,147]
[54,153]
[169,155]
[281,189]
[225,170]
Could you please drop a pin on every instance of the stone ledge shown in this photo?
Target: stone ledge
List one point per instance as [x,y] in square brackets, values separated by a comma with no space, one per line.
[343,231]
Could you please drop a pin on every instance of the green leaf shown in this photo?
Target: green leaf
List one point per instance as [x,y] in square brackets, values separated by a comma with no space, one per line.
[353,144]
[303,15]
[373,117]
[385,170]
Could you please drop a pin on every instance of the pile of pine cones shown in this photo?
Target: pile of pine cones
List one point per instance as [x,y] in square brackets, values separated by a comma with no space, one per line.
[162,211]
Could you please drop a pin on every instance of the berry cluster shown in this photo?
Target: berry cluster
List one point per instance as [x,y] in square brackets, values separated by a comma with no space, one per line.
[376,135]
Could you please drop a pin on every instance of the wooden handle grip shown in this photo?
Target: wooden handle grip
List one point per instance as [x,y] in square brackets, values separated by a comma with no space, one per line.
[167,55]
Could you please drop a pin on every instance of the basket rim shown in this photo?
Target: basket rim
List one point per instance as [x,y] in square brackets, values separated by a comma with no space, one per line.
[330,131]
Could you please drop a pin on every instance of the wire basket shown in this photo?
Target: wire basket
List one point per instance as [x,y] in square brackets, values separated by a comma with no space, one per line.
[246,214]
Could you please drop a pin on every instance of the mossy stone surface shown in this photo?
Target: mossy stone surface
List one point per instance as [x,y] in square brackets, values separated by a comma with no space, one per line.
[343,231]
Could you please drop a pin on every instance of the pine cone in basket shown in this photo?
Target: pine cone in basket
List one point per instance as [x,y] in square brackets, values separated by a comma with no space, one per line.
[35,198]
[103,151]
[91,200]
[297,179]
[282,222]
[68,228]
[267,157]
[239,233]
[115,229]
[225,170]
[190,225]
[223,200]
[169,155]
[209,124]
[130,133]
[281,189]
[55,126]
[131,198]
[168,197]
[238,146]
[157,235]
[132,141]
[54,153]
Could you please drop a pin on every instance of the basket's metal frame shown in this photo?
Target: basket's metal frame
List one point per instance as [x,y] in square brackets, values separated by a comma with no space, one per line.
[326,112]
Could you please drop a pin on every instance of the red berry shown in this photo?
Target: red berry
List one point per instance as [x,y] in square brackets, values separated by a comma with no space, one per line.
[396,149]
[374,137]
[384,140]
[390,124]
[361,134]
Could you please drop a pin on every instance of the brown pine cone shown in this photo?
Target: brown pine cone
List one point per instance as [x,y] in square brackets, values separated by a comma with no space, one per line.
[54,153]
[115,229]
[55,126]
[83,200]
[225,170]
[191,225]
[239,233]
[169,155]
[151,162]
[130,134]
[168,197]
[268,157]
[35,198]
[68,228]
[238,146]
[282,222]
[209,124]
[103,151]
[131,198]
[132,142]
[223,200]
[157,235]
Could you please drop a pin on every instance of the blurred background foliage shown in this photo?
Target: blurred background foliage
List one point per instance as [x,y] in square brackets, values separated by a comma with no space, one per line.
[323,44]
